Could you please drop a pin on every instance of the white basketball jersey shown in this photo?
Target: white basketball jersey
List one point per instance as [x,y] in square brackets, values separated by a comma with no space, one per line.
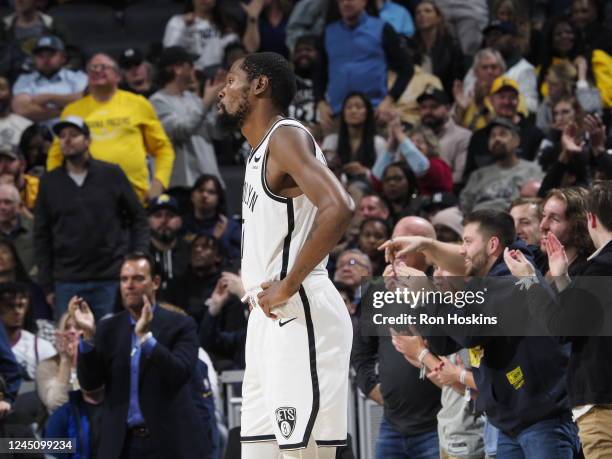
[274,228]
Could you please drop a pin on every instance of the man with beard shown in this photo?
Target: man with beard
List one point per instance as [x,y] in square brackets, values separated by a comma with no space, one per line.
[169,251]
[41,95]
[143,358]
[294,213]
[137,73]
[87,217]
[497,185]
[11,124]
[305,56]
[434,108]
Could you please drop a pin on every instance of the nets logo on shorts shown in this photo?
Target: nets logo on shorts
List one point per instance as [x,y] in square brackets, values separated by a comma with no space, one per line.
[285,418]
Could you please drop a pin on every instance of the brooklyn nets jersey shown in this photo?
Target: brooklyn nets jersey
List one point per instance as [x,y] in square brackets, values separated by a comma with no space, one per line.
[274,228]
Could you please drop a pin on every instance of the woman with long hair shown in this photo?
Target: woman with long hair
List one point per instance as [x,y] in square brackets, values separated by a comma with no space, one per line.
[399,190]
[356,143]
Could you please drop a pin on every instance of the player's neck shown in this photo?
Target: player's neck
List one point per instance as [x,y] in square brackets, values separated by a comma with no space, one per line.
[258,125]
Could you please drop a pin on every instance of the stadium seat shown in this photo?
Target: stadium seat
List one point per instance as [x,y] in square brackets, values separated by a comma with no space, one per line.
[147,21]
[87,25]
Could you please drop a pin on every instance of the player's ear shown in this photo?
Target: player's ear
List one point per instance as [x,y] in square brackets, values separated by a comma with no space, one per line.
[261,84]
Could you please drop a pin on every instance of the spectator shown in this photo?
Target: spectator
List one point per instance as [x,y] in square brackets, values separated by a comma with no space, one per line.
[34,146]
[187,119]
[19,34]
[519,13]
[439,176]
[372,206]
[414,226]
[16,227]
[448,224]
[408,428]
[434,107]
[396,15]
[433,40]
[42,95]
[305,59]
[307,17]
[356,144]
[359,48]
[266,23]
[527,213]
[472,108]
[12,125]
[10,374]
[504,99]
[169,251]
[467,20]
[351,266]
[12,167]
[594,33]
[87,218]
[210,215]
[503,36]
[495,186]
[124,132]
[201,31]
[147,422]
[56,378]
[399,188]
[137,73]
[28,348]
[433,204]
[373,232]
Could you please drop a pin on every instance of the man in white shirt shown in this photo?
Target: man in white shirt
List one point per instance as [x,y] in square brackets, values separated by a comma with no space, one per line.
[11,124]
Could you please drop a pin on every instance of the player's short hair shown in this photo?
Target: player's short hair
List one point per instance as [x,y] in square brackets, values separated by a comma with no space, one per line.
[493,223]
[599,203]
[280,77]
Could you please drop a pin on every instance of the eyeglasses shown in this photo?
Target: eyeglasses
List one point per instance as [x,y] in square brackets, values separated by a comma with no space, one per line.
[100,67]
[353,262]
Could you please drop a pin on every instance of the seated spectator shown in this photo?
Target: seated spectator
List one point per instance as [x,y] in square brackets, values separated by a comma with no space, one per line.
[16,227]
[169,251]
[136,72]
[504,99]
[28,348]
[356,143]
[399,189]
[448,224]
[352,33]
[372,206]
[560,81]
[515,11]
[266,23]
[439,176]
[125,132]
[466,21]
[434,108]
[442,54]
[373,232]
[187,119]
[34,146]
[305,58]
[19,33]
[11,376]
[503,36]
[12,125]
[396,15]
[200,31]
[42,95]
[495,186]
[527,214]
[56,378]
[12,171]
[210,215]
[472,109]
[594,32]
[351,266]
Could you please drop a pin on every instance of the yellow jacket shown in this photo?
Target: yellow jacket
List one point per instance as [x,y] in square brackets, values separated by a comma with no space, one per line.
[123,130]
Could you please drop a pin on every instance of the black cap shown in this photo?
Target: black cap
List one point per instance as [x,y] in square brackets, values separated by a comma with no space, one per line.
[434,93]
[48,42]
[175,55]
[163,201]
[439,200]
[505,27]
[130,57]
[504,122]
[74,121]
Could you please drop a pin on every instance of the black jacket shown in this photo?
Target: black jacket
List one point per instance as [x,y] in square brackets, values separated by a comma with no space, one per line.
[83,233]
[165,396]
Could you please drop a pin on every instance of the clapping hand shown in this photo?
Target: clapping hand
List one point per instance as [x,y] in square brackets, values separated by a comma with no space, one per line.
[83,317]
[518,264]
[143,325]
[558,264]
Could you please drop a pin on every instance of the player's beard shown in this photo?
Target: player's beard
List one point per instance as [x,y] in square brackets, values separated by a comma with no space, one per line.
[234,121]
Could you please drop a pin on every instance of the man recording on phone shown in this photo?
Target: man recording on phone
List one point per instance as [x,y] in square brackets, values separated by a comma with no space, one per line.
[144,358]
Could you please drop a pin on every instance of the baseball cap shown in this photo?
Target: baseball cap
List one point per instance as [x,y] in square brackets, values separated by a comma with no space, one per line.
[175,55]
[8,150]
[163,201]
[130,57]
[431,92]
[74,121]
[504,82]
[505,27]
[48,42]
[504,122]
[439,200]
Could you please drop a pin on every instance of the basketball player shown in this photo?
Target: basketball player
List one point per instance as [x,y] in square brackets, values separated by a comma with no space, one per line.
[294,212]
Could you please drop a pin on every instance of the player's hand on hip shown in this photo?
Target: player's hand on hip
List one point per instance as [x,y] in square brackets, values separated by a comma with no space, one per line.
[273,295]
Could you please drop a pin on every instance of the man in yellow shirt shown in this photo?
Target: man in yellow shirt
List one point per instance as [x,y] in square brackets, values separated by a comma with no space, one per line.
[124,128]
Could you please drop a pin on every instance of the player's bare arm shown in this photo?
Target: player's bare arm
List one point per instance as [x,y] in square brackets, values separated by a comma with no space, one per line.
[292,169]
